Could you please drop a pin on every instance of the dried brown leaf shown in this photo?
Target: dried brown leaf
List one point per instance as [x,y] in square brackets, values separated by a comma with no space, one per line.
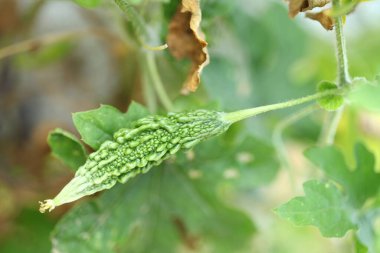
[185,40]
[297,6]
[323,18]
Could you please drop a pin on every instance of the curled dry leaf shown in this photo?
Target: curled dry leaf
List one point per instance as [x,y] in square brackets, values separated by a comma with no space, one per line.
[185,40]
[324,18]
[297,6]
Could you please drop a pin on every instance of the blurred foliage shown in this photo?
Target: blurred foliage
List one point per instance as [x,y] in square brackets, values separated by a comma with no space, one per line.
[219,197]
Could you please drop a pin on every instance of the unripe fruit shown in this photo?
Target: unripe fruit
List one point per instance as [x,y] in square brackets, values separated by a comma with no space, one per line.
[133,151]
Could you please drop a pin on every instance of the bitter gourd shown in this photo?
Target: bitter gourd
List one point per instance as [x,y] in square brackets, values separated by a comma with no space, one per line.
[133,151]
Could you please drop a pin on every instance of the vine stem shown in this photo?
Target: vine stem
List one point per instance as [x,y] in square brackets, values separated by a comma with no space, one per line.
[341,52]
[278,140]
[331,123]
[156,81]
[247,113]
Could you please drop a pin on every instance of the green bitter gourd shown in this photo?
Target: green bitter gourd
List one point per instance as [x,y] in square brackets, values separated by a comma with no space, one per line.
[133,151]
[152,140]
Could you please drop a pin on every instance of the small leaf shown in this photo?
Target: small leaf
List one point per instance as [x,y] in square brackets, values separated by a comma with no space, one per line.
[331,102]
[322,206]
[99,125]
[88,3]
[66,147]
[185,40]
[361,183]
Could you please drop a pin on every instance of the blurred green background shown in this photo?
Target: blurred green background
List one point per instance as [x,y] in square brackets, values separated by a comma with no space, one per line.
[258,56]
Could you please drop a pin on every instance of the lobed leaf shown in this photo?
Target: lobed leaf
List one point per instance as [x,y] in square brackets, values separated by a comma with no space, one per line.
[322,206]
[360,183]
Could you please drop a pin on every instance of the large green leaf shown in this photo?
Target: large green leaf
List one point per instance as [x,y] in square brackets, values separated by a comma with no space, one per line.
[99,125]
[162,211]
[66,147]
[243,163]
[360,183]
[322,206]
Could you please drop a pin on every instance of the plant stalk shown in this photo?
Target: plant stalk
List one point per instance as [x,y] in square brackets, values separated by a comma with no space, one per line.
[247,113]
[156,81]
[331,124]
[343,75]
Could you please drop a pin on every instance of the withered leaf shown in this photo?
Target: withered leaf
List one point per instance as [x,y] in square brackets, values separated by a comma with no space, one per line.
[323,18]
[185,40]
[297,6]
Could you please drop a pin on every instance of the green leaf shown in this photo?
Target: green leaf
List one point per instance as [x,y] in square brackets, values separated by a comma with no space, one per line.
[360,183]
[66,147]
[88,3]
[162,211]
[99,125]
[322,206]
[246,162]
[332,102]
[366,94]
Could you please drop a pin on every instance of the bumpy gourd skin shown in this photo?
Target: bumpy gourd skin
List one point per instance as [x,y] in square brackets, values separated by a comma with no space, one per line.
[134,151]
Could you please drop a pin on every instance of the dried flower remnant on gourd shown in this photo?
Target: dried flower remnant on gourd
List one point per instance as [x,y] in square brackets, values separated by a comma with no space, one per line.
[133,151]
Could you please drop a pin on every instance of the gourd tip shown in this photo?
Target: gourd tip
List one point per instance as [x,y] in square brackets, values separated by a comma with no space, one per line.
[46,205]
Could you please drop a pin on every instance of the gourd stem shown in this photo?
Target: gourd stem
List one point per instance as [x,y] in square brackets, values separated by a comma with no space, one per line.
[233,117]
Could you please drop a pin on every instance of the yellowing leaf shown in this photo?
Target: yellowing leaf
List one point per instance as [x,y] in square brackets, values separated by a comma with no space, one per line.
[185,40]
